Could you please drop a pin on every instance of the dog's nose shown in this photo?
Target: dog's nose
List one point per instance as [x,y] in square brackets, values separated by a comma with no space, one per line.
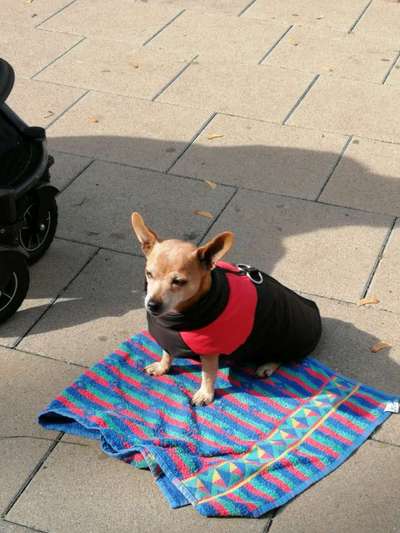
[153,306]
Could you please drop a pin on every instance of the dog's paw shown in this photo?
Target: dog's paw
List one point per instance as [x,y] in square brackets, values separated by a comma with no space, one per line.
[156,369]
[202,397]
[266,370]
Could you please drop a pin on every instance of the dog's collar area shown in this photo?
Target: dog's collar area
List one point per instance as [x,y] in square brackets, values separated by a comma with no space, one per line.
[206,310]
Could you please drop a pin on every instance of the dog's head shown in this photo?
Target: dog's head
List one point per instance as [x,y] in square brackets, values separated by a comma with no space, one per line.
[177,272]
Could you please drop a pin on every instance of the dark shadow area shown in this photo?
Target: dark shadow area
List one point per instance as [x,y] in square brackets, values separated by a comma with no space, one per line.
[109,293]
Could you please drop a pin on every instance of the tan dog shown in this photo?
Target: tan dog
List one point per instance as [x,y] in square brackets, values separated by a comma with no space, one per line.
[176,279]
[199,305]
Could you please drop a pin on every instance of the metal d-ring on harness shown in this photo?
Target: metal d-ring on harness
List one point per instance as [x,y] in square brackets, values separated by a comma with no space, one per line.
[252,273]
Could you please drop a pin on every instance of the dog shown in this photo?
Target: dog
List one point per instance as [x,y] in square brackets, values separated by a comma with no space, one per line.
[200,306]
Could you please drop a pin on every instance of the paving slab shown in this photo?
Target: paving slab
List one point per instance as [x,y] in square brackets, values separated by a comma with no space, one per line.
[29,50]
[311,247]
[30,13]
[263,156]
[351,107]
[18,458]
[65,496]
[126,130]
[167,203]
[367,178]
[229,7]
[341,14]
[349,499]
[63,258]
[385,284]
[336,53]
[50,100]
[239,89]
[219,38]
[382,16]
[101,308]
[349,333]
[132,22]
[66,167]
[29,383]
[111,66]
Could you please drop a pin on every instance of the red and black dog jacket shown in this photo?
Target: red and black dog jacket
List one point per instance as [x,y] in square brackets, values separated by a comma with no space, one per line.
[246,314]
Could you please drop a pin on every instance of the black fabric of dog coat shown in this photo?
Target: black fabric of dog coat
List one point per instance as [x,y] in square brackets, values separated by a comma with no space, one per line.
[242,319]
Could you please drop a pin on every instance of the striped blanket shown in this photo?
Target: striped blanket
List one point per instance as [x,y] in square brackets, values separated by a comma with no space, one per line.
[260,443]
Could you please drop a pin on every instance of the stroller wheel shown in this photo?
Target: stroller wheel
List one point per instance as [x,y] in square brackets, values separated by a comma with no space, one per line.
[13,286]
[34,238]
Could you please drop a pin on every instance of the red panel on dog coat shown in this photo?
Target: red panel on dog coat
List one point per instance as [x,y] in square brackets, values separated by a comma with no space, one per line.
[233,326]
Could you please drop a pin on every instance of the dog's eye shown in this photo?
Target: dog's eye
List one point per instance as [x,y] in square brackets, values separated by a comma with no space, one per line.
[149,274]
[179,282]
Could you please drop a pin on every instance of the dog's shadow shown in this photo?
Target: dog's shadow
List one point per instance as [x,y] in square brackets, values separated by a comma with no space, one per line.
[343,347]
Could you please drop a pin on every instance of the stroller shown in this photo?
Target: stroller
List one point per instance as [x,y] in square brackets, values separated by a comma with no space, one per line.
[28,209]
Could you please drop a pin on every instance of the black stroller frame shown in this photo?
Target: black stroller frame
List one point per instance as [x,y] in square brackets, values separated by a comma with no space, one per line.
[28,209]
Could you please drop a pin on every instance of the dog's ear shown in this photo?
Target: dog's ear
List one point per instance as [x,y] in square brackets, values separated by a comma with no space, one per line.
[213,250]
[146,236]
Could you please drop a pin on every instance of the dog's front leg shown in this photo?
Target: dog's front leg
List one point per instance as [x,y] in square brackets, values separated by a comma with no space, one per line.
[209,368]
[160,367]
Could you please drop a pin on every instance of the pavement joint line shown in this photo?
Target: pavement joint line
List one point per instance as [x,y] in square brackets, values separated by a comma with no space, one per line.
[71,181]
[171,81]
[391,67]
[268,52]
[215,220]
[273,514]
[54,300]
[336,164]
[385,442]
[28,528]
[100,248]
[48,357]
[31,476]
[246,8]
[163,27]
[360,16]
[295,126]
[356,209]
[192,140]
[67,108]
[36,437]
[302,96]
[386,240]
[58,57]
[146,169]
[55,13]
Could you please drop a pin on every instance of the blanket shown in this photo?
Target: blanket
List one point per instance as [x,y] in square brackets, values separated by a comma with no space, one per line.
[259,444]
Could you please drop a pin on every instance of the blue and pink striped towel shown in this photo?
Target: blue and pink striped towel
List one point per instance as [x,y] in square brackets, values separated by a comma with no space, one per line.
[259,444]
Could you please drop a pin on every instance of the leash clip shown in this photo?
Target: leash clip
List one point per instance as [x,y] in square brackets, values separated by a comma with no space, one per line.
[249,270]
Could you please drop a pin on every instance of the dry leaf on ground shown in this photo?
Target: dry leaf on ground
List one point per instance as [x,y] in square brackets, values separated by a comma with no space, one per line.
[205,214]
[214,136]
[49,114]
[211,184]
[368,301]
[93,120]
[380,345]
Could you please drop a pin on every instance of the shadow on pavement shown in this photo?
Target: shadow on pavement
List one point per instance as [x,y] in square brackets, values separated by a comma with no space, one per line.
[340,337]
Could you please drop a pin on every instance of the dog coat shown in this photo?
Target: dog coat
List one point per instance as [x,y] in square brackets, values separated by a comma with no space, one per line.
[245,313]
